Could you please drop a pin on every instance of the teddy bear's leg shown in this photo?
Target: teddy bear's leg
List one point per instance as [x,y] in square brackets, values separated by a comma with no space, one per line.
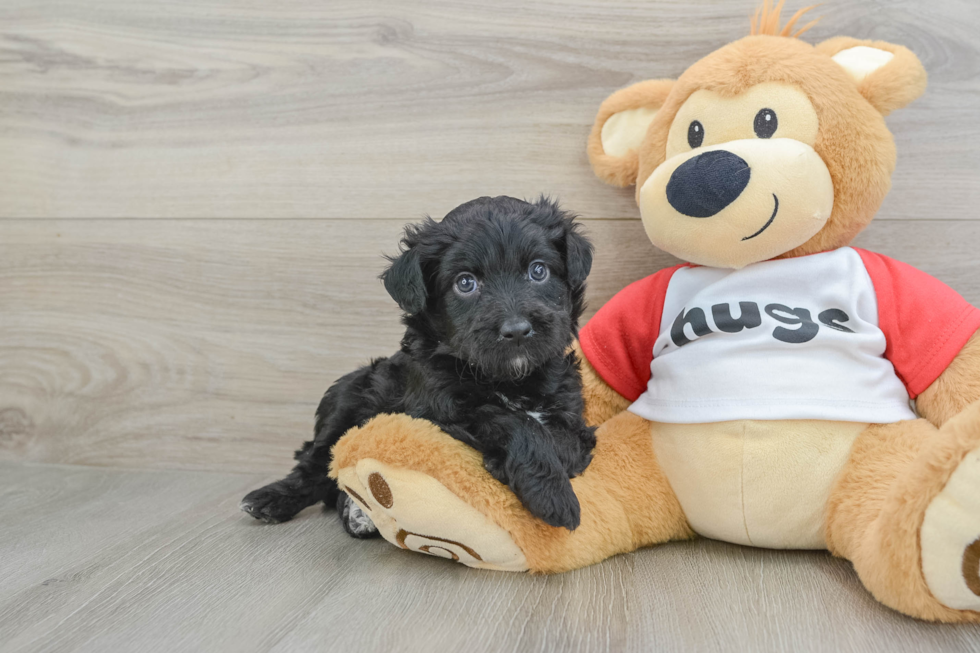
[906,511]
[427,492]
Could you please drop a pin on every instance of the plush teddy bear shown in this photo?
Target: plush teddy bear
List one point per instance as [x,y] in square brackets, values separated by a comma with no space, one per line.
[760,393]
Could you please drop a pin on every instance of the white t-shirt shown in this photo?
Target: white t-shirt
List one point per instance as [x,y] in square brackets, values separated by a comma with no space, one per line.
[814,337]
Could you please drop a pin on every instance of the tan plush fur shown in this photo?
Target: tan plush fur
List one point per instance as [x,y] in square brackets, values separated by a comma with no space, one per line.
[626,500]
[878,504]
[955,389]
[602,403]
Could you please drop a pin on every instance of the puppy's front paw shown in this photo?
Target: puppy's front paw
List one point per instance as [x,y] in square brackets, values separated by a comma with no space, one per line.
[273,504]
[554,503]
[356,522]
[583,453]
[495,463]
[578,465]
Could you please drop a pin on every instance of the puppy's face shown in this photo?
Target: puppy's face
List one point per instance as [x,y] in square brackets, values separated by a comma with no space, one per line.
[504,299]
[499,283]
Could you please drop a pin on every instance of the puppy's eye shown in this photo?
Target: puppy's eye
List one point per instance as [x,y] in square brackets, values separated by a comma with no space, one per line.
[465,284]
[695,134]
[537,271]
[765,123]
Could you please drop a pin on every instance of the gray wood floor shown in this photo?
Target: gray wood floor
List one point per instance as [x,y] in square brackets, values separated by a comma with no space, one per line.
[194,200]
[98,559]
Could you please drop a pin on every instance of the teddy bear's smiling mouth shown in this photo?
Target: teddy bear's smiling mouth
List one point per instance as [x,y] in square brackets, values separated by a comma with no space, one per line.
[766,225]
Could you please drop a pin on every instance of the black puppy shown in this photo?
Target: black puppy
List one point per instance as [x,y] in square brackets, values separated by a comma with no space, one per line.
[492,296]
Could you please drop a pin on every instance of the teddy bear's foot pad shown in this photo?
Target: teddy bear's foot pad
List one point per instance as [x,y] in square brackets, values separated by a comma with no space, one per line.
[416,512]
[950,538]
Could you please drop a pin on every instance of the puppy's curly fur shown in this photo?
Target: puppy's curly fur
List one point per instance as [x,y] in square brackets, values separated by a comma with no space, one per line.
[492,296]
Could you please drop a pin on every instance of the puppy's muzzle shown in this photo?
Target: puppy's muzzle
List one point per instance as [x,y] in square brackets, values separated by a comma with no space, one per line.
[515,330]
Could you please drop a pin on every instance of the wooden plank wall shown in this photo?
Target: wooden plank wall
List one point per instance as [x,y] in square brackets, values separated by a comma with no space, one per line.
[195,194]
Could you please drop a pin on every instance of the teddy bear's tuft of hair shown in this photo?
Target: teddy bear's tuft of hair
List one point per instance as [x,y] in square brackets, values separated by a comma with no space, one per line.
[766,20]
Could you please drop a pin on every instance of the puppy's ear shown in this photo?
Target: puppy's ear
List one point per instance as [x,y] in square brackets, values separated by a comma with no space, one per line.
[405,282]
[578,253]
[575,247]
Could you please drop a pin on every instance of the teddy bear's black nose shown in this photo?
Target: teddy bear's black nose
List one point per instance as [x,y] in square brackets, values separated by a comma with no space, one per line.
[704,185]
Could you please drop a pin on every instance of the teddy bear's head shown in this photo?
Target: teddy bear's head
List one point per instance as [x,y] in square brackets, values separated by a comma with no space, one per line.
[768,147]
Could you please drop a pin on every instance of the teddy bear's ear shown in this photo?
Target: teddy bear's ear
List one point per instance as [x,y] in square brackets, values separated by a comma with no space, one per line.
[888,76]
[620,127]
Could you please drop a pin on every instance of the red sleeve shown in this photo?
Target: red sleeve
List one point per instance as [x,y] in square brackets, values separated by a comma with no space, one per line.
[925,322]
[618,340]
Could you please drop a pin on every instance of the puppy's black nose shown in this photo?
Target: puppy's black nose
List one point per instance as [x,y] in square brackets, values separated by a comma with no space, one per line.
[515,330]
[704,185]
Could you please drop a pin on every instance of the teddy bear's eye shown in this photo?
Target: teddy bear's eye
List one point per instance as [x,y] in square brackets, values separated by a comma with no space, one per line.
[695,134]
[765,123]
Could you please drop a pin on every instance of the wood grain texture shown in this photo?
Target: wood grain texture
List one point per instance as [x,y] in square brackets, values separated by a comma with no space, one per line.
[206,344]
[112,560]
[360,109]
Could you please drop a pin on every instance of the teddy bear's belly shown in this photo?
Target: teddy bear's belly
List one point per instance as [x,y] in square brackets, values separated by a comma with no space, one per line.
[761,483]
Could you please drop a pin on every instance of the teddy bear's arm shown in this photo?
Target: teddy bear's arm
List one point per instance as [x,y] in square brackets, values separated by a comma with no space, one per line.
[601,401]
[956,388]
